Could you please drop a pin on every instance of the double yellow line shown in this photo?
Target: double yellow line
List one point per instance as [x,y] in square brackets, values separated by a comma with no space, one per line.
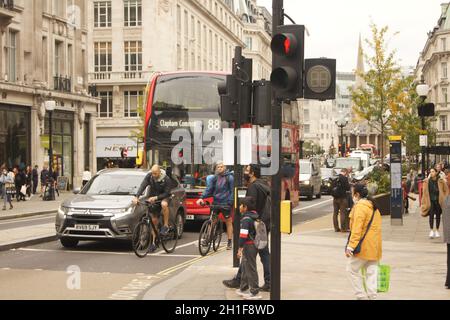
[188,263]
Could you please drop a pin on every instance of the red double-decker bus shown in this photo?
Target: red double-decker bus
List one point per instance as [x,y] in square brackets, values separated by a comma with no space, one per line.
[181,100]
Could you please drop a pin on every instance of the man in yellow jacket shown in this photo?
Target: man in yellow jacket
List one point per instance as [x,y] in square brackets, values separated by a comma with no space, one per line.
[364,247]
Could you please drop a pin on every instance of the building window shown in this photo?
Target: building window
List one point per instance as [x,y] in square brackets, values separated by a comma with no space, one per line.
[307,128]
[443,123]
[12,55]
[58,58]
[444,44]
[102,57]
[102,14]
[105,110]
[444,70]
[132,99]
[444,96]
[133,55]
[132,13]
[249,43]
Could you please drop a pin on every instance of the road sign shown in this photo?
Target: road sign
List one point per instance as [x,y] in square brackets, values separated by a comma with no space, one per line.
[423,141]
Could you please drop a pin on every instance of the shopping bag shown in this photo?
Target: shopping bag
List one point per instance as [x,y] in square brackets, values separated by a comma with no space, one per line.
[23,189]
[384,277]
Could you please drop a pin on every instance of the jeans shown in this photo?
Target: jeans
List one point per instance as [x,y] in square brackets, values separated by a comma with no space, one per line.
[435,211]
[264,256]
[249,271]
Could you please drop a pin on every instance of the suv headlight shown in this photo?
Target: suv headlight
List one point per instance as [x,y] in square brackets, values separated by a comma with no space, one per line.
[306,182]
[63,211]
[119,213]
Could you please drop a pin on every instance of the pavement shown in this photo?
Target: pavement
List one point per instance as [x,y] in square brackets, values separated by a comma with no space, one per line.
[314,266]
[30,235]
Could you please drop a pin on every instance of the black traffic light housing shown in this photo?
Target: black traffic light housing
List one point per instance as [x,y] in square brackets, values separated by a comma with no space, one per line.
[228,92]
[244,75]
[426,110]
[288,48]
[320,79]
[262,103]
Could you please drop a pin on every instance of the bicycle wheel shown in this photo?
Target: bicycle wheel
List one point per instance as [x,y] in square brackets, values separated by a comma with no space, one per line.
[218,231]
[142,238]
[204,242]
[169,241]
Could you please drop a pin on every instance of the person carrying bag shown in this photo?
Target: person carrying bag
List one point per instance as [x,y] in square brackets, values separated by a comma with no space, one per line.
[364,246]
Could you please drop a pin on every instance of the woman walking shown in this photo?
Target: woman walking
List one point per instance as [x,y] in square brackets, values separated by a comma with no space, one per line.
[7,188]
[446,220]
[434,192]
[28,180]
[364,247]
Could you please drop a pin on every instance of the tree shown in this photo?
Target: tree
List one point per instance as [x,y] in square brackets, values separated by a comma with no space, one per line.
[385,88]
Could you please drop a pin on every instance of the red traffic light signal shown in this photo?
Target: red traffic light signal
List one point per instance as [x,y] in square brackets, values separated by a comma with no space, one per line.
[288,61]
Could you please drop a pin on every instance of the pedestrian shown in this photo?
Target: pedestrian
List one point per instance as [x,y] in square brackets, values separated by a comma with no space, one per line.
[364,246]
[446,231]
[44,178]
[259,190]
[19,181]
[7,188]
[447,175]
[434,192]
[86,176]
[28,181]
[340,187]
[405,191]
[247,251]
[221,188]
[35,176]
[2,167]
[55,179]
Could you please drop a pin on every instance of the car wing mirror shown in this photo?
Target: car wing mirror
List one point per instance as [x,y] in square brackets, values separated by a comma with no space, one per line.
[76,190]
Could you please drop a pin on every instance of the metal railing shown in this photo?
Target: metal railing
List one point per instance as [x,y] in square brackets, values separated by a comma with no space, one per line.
[118,76]
[62,83]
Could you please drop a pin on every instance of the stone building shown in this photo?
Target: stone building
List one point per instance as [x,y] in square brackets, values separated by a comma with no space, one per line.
[43,57]
[433,65]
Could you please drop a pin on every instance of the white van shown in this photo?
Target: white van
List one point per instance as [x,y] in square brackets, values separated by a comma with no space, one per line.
[310,178]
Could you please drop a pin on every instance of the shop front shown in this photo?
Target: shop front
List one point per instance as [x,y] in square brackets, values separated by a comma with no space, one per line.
[109,152]
[15,149]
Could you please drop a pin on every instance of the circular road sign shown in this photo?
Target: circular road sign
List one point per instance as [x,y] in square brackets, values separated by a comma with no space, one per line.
[318,79]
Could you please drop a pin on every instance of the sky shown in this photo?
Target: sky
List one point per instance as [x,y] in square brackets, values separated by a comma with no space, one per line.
[334,26]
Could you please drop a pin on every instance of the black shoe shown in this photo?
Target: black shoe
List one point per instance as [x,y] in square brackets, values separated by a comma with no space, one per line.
[232,284]
[229,245]
[265,287]
[164,231]
[337,230]
[152,248]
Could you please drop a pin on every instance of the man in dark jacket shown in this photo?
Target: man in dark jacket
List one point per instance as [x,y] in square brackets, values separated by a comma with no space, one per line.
[339,191]
[35,175]
[259,190]
[44,178]
[159,190]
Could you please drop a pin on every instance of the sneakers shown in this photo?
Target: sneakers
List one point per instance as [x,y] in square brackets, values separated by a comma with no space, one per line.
[152,248]
[252,296]
[265,287]
[229,245]
[232,284]
[431,235]
[242,293]
[436,234]
[164,231]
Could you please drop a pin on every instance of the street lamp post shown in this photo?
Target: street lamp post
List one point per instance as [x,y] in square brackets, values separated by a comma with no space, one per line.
[342,123]
[422,91]
[50,107]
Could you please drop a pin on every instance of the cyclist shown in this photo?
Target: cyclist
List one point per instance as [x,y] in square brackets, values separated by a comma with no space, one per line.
[221,187]
[159,191]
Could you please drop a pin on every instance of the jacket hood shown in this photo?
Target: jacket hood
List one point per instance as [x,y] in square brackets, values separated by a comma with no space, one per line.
[365,203]
[263,183]
[252,214]
[228,173]
[162,175]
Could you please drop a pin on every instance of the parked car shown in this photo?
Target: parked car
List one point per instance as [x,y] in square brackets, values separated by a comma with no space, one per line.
[327,176]
[103,209]
[310,178]
[364,174]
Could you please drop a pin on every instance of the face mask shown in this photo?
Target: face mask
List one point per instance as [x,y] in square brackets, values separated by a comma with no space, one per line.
[355,200]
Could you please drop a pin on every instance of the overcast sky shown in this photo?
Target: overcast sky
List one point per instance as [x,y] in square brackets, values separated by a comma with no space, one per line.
[335,25]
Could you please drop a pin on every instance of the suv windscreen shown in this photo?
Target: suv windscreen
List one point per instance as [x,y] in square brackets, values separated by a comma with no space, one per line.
[108,184]
[305,168]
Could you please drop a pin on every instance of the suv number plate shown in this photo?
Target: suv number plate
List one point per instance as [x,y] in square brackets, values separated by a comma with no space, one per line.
[86,227]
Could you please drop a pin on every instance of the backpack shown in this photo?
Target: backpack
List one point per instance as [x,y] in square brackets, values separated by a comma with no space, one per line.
[265,214]
[337,190]
[261,238]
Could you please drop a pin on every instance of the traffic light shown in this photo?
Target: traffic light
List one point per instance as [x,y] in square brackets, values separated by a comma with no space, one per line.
[426,110]
[262,103]
[320,79]
[288,48]
[244,75]
[228,92]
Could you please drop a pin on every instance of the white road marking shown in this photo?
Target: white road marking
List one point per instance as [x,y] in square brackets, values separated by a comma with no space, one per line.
[179,247]
[6,269]
[27,219]
[297,211]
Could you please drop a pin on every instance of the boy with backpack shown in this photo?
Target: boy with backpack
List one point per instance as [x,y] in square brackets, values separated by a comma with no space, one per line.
[248,250]
[259,190]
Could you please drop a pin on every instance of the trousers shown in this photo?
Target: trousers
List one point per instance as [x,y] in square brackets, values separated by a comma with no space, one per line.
[354,267]
[340,206]
[249,271]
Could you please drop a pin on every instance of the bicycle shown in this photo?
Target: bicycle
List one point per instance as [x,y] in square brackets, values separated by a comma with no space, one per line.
[143,236]
[211,231]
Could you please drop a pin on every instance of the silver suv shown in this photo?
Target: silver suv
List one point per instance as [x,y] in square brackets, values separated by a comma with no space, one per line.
[103,208]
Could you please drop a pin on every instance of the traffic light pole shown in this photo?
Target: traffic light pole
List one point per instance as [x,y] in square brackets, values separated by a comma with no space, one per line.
[275,238]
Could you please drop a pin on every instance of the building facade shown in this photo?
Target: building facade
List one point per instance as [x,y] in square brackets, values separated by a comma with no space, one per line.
[177,35]
[44,59]
[433,65]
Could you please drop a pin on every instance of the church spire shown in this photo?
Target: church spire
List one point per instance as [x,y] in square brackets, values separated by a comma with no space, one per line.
[360,64]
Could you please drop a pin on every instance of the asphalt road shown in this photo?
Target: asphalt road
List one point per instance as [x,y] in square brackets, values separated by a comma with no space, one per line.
[109,270]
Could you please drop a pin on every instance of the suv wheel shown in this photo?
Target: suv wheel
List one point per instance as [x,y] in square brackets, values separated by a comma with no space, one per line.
[319,196]
[69,242]
[179,222]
